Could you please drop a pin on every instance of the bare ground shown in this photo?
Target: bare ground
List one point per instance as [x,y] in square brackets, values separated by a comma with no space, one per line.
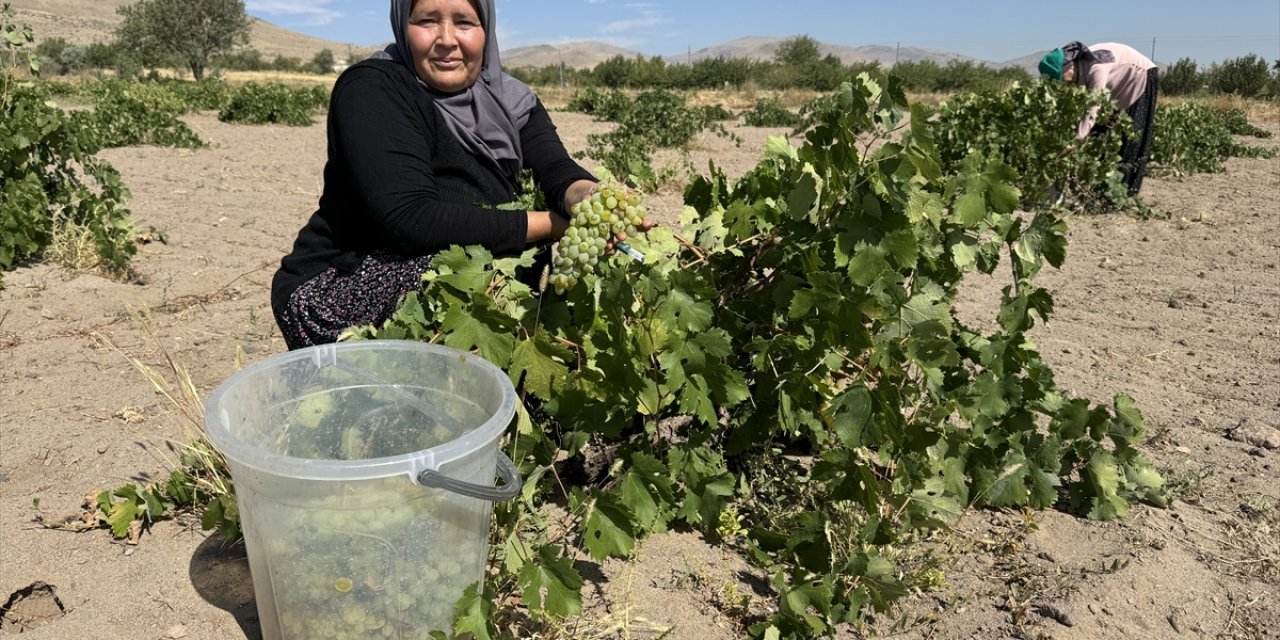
[1178,312]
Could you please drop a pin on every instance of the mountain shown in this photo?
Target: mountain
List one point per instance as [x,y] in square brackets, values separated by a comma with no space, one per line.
[574,55]
[762,49]
[84,22]
[1030,62]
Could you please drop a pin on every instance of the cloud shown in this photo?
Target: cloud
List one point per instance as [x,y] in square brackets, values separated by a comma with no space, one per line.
[647,16]
[306,12]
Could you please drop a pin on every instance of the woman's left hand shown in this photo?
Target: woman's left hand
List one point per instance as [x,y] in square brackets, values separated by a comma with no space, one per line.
[622,237]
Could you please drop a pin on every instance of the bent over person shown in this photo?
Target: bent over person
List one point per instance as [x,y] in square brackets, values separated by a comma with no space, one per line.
[1132,82]
[425,140]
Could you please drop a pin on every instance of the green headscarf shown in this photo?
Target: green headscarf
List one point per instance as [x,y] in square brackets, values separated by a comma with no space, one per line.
[1051,64]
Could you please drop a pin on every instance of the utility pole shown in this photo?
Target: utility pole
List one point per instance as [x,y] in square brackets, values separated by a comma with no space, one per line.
[896,51]
[1153,48]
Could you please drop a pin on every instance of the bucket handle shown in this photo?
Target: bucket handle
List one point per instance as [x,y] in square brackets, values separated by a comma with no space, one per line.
[507,471]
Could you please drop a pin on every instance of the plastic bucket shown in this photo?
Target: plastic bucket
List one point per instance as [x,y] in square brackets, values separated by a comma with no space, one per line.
[364,473]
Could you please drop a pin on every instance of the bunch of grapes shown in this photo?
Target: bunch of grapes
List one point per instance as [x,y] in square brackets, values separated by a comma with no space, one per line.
[613,208]
[385,560]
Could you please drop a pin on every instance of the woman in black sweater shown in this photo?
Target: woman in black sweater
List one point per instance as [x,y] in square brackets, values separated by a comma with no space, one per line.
[425,140]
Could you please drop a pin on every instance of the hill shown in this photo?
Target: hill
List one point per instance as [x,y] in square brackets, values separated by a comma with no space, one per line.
[84,22]
[574,55]
[1030,62]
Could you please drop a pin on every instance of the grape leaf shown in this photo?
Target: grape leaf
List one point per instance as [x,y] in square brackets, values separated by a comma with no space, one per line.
[472,613]
[1104,480]
[552,585]
[467,329]
[851,412]
[466,269]
[1010,487]
[121,516]
[539,362]
[1128,426]
[608,530]
[933,503]
[646,491]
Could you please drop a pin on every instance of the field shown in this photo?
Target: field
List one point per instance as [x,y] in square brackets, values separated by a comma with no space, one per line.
[1180,311]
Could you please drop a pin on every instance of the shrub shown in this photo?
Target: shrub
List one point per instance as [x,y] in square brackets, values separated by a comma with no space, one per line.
[769,112]
[610,105]
[1182,78]
[130,113]
[1246,76]
[273,103]
[1193,138]
[50,180]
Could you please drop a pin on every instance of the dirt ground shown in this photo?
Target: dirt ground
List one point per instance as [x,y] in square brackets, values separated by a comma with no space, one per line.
[1179,312]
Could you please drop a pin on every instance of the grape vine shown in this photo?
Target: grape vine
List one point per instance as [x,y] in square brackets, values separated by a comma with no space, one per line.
[50,179]
[808,308]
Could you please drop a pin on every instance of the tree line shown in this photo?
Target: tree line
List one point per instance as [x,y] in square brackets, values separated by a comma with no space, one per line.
[1248,76]
[797,64]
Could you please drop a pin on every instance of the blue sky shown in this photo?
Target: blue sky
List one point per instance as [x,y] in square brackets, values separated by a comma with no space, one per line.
[993,30]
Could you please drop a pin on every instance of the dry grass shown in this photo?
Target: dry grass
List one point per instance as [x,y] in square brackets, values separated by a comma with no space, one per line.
[281,77]
[73,247]
[197,457]
[1255,110]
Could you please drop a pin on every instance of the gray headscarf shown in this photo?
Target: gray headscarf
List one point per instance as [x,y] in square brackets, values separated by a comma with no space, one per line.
[487,116]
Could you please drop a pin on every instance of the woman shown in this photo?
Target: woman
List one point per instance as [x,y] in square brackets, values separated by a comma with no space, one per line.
[1132,82]
[425,140]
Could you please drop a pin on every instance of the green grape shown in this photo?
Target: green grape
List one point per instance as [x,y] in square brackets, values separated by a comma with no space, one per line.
[611,209]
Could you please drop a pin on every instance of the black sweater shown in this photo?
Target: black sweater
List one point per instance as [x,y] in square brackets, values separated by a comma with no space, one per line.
[397,179]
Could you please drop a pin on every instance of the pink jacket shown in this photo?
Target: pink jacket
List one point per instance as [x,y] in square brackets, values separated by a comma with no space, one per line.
[1125,80]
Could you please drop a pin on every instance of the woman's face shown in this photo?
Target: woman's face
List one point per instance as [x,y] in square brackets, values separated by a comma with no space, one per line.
[447,43]
[1069,73]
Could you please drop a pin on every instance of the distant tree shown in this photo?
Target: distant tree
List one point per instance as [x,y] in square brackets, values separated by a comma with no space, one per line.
[241,60]
[824,75]
[650,73]
[919,76]
[51,48]
[323,62]
[720,72]
[101,55]
[1009,75]
[1182,78]
[286,63]
[612,73]
[191,31]
[797,52]
[60,57]
[1245,76]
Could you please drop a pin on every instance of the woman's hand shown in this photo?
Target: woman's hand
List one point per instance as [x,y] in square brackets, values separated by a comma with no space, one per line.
[577,192]
[582,190]
[545,226]
[622,237]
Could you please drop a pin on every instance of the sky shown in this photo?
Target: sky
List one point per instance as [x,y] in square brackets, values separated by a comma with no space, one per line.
[990,30]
